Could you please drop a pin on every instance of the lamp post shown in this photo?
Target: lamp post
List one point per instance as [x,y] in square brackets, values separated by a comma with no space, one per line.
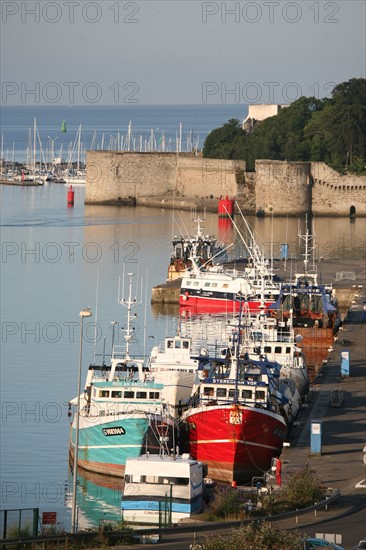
[84,313]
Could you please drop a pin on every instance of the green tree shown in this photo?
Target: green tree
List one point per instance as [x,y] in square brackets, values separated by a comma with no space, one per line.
[332,130]
[282,137]
[226,142]
[340,129]
[254,537]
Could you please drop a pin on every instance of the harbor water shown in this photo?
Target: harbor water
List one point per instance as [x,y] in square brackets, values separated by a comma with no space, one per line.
[57,260]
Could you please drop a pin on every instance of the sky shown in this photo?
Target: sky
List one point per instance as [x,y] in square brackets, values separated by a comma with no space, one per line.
[178,52]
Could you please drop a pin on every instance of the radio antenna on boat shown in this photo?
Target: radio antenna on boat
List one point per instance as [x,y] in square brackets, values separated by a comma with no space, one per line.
[145,313]
[129,303]
[309,244]
[96,314]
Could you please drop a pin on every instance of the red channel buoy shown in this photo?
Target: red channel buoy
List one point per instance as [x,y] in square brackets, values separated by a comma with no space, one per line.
[70,196]
[226,208]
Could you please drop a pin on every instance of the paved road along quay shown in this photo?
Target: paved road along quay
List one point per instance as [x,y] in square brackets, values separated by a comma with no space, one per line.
[340,464]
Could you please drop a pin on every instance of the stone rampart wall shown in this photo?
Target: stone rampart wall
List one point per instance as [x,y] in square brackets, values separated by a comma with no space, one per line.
[335,194]
[278,187]
[282,187]
[114,176]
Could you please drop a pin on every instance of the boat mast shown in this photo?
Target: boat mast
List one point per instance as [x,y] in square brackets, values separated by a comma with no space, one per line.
[309,246]
[234,371]
[129,304]
[79,147]
[34,144]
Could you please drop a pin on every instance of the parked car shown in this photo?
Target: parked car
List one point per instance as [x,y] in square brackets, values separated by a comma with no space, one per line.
[311,543]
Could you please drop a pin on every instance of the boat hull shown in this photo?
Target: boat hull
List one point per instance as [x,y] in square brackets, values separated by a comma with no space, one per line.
[316,343]
[105,443]
[300,378]
[159,510]
[202,304]
[236,442]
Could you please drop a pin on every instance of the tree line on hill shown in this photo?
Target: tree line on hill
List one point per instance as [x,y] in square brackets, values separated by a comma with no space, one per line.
[332,130]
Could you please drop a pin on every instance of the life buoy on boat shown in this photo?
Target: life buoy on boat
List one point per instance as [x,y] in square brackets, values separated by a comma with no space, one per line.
[185,296]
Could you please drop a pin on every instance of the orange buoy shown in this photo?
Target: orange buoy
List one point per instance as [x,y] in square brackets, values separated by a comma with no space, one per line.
[70,196]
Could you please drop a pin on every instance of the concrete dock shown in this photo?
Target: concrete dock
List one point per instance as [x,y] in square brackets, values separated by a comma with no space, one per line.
[340,464]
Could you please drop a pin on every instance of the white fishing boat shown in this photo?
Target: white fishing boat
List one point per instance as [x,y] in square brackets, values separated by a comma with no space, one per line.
[172,364]
[218,289]
[162,489]
[264,336]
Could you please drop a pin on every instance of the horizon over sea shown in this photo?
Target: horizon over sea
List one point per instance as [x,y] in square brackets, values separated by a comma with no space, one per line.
[102,127]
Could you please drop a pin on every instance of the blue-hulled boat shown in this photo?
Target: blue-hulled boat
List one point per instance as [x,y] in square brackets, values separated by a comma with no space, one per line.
[120,409]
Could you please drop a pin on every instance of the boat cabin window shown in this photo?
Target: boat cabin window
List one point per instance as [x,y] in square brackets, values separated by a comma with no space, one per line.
[208,391]
[214,285]
[278,349]
[185,344]
[246,394]
[180,481]
[129,394]
[141,394]
[156,480]
[267,349]
[225,285]
[154,395]
[288,349]
[232,392]
[207,284]
[195,283]
[260,395]
[188,283]
[103,393]
[116,394]
[170,343]
[221,392]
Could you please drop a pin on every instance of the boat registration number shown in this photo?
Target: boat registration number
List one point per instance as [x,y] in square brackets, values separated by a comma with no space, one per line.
[118,430]
[235,417]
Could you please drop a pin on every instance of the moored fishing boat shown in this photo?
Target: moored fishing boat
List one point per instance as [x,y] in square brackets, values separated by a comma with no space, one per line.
[221,290]
[119,411]
[162,489]
[118,416]
[310,307]
[218,289]
[264,336]
[172,364]
[204,248]
[235,424]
